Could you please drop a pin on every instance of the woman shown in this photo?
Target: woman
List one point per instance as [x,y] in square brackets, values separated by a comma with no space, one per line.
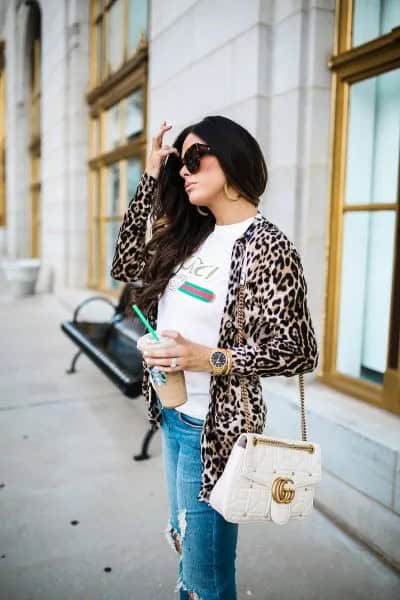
[202,196]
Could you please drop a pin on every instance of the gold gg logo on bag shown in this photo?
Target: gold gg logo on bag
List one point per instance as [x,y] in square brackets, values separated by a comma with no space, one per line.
[283,490]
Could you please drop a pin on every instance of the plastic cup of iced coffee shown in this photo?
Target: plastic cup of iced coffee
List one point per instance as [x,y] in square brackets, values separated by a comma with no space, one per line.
[170,387]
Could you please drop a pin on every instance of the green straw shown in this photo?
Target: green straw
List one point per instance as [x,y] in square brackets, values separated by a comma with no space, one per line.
[145,321]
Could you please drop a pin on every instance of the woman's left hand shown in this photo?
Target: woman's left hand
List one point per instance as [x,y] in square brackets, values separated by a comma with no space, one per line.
[189,355]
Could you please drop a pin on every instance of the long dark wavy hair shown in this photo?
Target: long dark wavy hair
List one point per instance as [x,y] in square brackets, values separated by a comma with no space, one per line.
[177,227]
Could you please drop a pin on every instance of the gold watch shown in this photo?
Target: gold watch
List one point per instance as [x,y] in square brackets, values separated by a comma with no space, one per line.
[220,360]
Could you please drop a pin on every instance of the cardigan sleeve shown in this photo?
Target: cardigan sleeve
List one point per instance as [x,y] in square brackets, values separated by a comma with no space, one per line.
[128,260]
[288,344]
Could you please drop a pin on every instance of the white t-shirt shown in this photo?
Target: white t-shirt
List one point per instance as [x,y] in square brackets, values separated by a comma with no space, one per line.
[193,304]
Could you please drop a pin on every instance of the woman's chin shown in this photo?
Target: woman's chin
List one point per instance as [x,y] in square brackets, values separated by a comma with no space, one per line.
[195,201]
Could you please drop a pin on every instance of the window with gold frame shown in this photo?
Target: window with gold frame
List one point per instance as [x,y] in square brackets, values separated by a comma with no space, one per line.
[117,100]
[362,326]
[3,204]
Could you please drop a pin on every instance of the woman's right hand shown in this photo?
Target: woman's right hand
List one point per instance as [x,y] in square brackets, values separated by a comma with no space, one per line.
[158,152]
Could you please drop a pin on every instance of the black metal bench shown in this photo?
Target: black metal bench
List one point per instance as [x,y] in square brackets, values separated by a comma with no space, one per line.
[112,346]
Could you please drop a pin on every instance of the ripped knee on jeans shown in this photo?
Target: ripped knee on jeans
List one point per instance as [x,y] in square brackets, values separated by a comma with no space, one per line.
[192,595]
[175,537]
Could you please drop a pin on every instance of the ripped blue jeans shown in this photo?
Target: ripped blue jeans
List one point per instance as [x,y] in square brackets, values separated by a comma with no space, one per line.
[205,541]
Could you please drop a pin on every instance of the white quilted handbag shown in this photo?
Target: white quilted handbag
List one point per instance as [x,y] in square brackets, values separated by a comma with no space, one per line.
[267,478]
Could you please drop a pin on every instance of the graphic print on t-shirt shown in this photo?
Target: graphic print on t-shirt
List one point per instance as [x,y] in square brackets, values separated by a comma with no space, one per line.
[196,266]
[181,284]
[195,291]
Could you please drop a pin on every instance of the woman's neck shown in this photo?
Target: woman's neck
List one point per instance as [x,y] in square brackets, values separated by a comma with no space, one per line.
[235,216]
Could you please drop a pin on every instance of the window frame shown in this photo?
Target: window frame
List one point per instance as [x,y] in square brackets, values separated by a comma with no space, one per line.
[115,87]
[350,65]
[101,15]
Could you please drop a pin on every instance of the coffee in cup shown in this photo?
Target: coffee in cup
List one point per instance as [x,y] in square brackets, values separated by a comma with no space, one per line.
[170,387]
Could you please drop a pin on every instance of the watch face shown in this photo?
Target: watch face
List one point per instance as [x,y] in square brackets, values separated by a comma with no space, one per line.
[218,359]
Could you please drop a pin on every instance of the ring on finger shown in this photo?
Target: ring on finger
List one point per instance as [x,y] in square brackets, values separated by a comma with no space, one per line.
[174,362]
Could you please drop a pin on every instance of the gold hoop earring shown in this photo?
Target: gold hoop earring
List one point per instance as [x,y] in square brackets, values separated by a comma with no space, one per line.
[233,198]
[201,212]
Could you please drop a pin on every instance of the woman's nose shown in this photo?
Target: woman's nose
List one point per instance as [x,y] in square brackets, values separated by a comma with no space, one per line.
[183,171]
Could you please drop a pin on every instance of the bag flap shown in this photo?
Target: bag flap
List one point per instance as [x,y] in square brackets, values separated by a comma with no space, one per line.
[266,460]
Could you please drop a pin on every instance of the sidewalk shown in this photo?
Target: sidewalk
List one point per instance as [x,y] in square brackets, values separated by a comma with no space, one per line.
[66,444]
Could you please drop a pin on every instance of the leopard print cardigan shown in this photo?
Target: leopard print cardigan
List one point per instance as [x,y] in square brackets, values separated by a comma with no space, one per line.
[279,334]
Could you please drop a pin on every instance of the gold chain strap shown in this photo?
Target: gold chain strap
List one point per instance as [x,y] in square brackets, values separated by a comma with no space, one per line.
[241,340]
[245,398]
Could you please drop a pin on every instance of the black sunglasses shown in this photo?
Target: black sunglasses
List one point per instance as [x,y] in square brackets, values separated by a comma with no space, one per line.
[193,155]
